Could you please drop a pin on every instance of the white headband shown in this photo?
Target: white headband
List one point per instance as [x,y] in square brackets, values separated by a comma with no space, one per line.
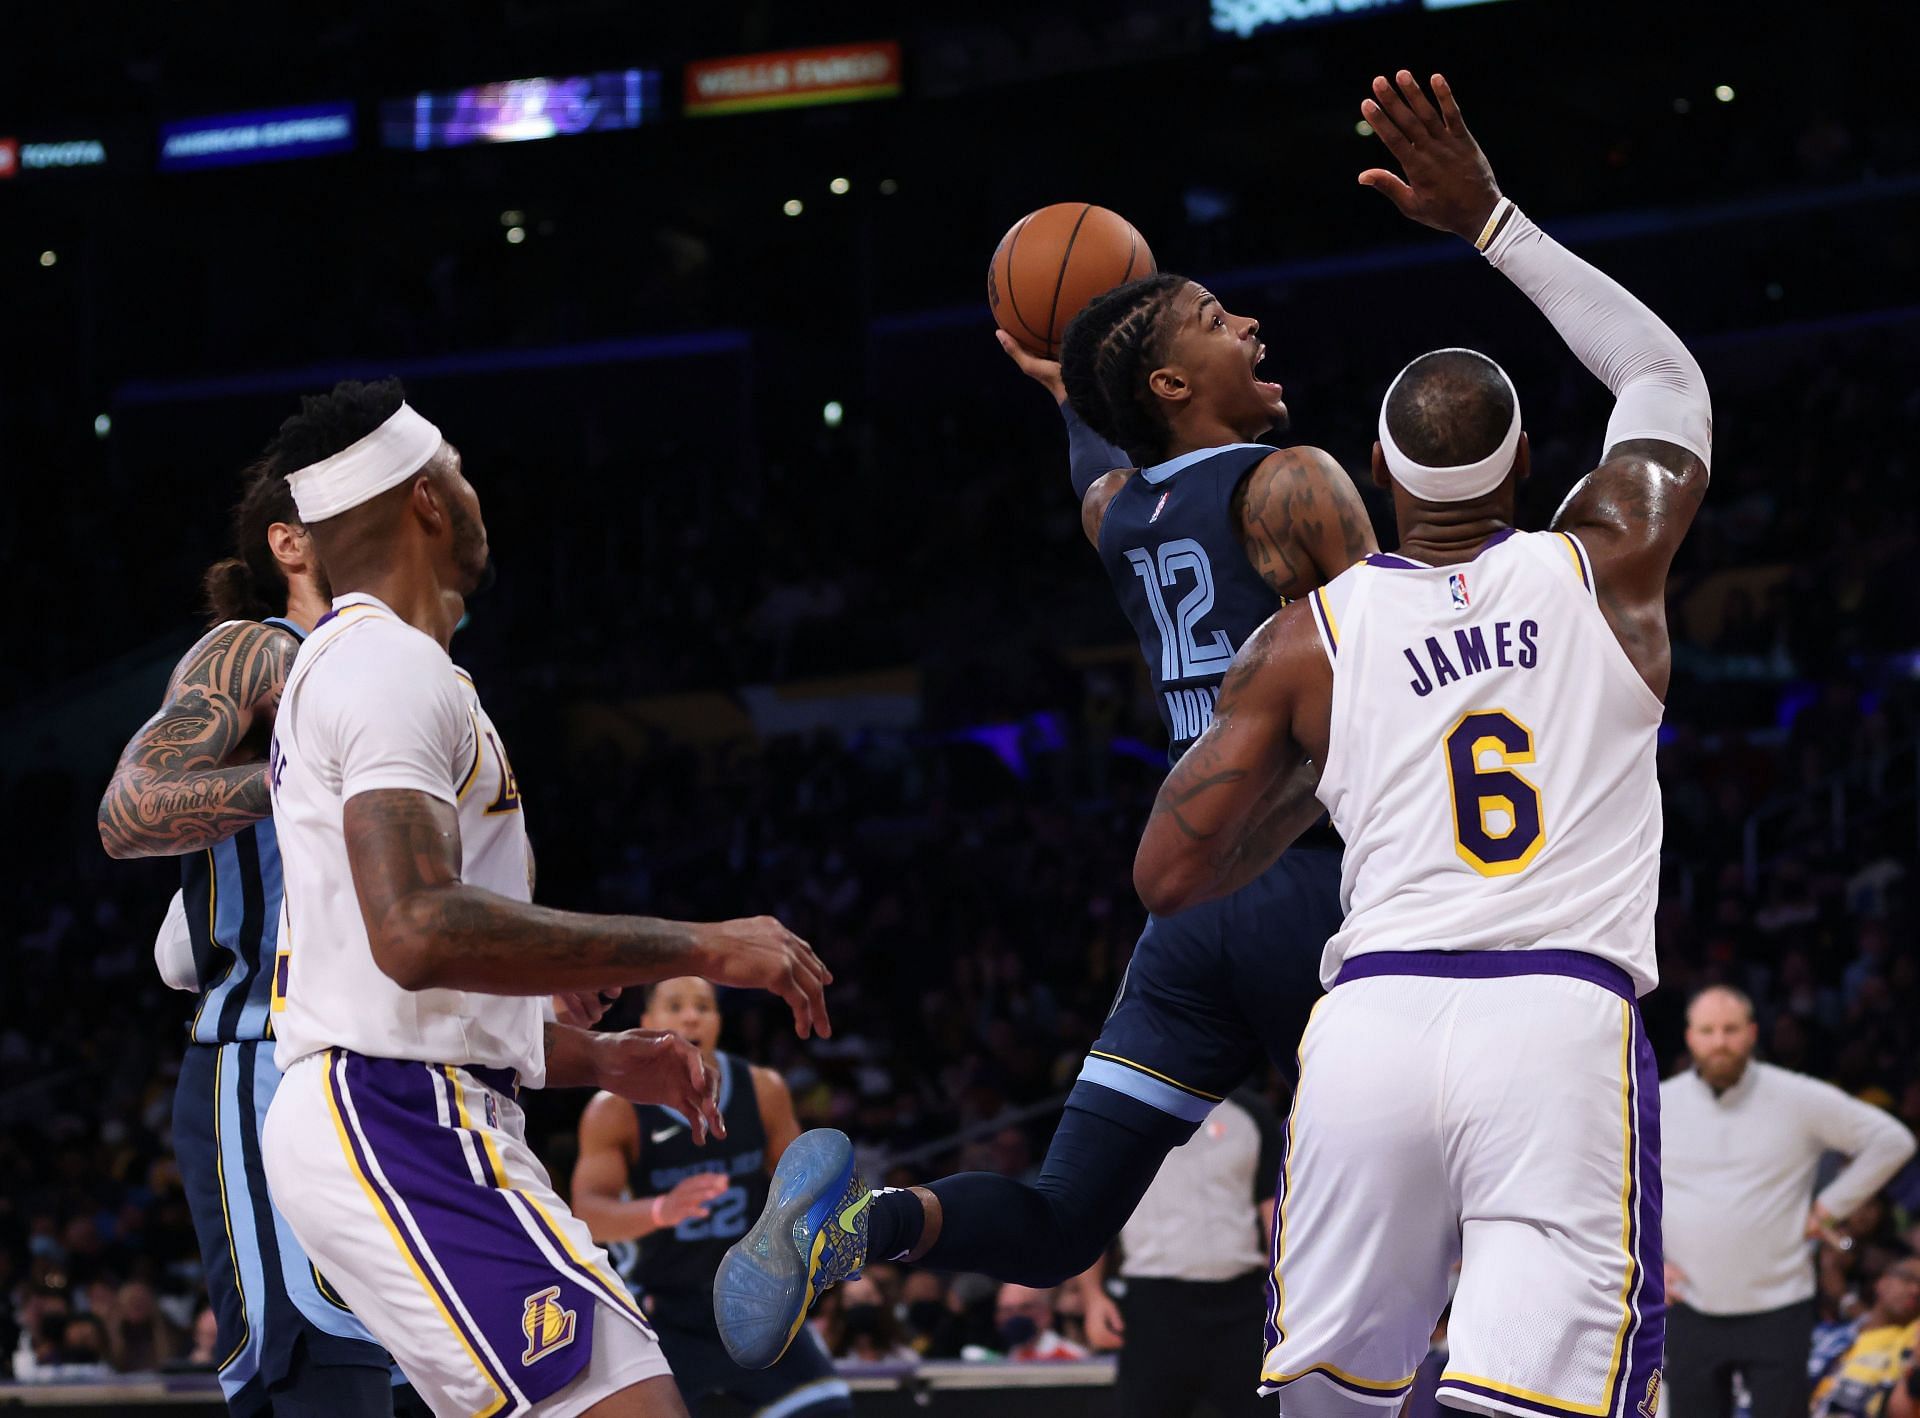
[385,458]
[1456,484]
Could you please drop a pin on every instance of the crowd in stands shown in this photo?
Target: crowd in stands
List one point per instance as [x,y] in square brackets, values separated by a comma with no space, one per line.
[968,879]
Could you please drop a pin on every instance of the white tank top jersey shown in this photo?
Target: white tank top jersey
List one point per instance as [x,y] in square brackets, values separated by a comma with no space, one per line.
[1490,761]
[373,703]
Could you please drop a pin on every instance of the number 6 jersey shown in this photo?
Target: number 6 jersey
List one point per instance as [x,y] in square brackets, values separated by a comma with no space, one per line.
[1490,760]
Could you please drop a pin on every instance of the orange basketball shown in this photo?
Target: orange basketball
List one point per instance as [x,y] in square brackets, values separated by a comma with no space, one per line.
[1053,262]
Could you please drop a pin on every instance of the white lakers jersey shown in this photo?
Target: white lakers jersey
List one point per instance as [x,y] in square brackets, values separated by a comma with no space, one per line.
[1490,761]
[373,703]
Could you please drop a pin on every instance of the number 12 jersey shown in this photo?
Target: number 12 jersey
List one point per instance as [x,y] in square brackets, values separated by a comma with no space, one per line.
[1490,762]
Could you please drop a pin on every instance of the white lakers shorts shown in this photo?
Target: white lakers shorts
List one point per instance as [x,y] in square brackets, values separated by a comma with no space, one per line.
[1498,1110]
[412,1187]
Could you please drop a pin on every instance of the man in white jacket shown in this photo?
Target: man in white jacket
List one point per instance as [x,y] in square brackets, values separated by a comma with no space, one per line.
[1743,1143]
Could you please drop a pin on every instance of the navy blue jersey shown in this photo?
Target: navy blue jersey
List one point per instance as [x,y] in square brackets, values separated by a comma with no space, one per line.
[1174,552]
[675,1268]
[232,896]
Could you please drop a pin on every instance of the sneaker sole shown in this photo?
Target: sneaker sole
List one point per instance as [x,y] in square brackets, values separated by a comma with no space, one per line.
[764,1286]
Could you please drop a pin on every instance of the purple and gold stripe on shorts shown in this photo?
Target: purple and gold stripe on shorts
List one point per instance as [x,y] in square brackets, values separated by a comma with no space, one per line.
[485,1167]
[1381,1392]
[389,1203]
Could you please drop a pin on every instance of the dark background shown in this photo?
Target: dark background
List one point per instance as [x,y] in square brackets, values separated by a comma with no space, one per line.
[638,389]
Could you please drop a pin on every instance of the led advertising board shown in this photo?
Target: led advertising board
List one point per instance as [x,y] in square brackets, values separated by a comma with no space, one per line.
[522,110]
[265,135]
[838,73]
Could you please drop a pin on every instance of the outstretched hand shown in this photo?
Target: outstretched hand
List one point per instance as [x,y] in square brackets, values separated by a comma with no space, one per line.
[1044,372]
[1449,185]
[652,1066]
[690,1197]
[758,953]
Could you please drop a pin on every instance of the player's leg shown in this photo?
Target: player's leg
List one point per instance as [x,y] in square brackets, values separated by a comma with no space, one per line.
[1553,1135]
[1180,1037]
[413,1189]
[317,1359]
[204,1100]
[1365,1231]
[1158,1068]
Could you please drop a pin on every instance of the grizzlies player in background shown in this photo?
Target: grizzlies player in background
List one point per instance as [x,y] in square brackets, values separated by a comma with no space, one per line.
[1476,1087]
[668,1209]
[193,784]
[1204,540]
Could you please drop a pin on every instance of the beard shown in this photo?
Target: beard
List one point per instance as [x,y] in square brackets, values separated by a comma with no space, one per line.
[471,557]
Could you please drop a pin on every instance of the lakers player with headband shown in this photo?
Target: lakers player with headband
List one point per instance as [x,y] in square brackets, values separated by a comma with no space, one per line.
[1476,1088]
[409,992]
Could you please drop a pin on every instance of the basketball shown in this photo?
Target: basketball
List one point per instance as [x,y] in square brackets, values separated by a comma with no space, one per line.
[1052,262]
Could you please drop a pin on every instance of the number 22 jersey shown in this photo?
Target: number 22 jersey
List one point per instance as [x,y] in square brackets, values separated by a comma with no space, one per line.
[1491,759]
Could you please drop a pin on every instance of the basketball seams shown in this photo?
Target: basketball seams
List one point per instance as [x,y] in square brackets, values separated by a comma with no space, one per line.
[1013,296]
[1060,276]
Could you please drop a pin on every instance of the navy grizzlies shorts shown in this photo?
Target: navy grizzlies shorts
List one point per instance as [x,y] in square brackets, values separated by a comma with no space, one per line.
[1214,990]
[804,1381]
[274,1307]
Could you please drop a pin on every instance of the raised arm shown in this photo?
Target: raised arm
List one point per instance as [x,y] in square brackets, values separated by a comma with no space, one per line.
[1244,791]
[1632,511]
[431,930]
[1096,467]
[174,790]
[1301,520]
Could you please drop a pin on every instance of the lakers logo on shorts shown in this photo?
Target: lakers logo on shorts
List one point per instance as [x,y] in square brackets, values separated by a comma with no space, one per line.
[1650,1405]
[546,1325]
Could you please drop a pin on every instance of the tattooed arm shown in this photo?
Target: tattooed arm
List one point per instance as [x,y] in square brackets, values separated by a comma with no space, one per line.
[1301,520]
[177,788]
[1244,791]
[431,930]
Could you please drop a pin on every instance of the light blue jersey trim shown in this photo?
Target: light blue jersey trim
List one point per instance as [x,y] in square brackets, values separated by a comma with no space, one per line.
[296,1270]
[1146,1089]
[245,1237]
[1160,472]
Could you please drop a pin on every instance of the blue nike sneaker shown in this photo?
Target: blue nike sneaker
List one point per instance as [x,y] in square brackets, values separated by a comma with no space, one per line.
[812,1235]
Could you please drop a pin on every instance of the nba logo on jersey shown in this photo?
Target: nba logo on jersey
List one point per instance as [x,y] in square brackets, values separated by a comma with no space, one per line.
[493,1110]
[546,1324]
[1457,590]
[1159,507]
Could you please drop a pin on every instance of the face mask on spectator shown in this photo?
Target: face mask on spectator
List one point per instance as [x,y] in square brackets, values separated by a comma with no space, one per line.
[926,1315]
[1017,1330]
[862,1321]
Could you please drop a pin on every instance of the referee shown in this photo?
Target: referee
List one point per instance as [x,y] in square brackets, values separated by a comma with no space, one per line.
[1743,1143]
[1193,1273]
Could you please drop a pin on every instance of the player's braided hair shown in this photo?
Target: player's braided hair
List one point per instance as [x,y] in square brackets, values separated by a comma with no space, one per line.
[1109,351]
